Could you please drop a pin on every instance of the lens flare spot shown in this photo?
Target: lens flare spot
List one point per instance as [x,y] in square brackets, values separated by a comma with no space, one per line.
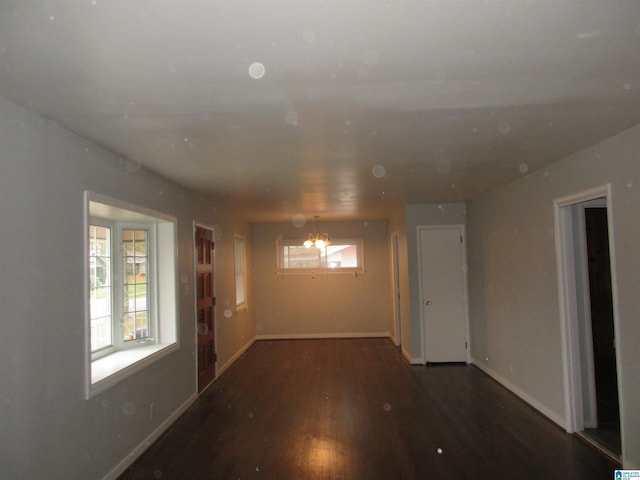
[298,221]
[379,171]
[291,118]
[257,70]
[129,408]
[133,165]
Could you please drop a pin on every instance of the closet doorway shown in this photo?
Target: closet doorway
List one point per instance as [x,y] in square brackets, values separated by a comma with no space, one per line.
[587,297]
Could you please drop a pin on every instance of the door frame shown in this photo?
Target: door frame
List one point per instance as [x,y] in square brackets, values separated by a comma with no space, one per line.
[195,301]
[462,230]
[395,272]
[567,244]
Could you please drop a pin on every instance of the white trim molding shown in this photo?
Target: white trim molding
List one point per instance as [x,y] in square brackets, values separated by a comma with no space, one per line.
[221,369]
[127,461]
[556,418]
[302,336]
[569,304]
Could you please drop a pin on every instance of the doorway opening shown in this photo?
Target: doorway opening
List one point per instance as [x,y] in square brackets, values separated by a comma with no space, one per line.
[587,299]
[205,306]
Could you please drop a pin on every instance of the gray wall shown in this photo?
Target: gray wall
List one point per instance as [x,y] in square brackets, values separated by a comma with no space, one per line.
[515,322]
[338,304]
[47,428]
[416,215]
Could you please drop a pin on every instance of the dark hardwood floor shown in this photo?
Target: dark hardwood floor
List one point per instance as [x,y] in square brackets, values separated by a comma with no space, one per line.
[355,409]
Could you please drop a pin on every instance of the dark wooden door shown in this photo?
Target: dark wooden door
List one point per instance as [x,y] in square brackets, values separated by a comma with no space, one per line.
[205,303]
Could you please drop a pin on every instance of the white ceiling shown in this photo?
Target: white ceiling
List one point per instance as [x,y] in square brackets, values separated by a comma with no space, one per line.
[364,105]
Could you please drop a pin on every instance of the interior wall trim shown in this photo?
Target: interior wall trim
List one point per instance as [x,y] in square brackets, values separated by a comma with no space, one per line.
[302,336]
[126,462]
[551,415]
[221,369]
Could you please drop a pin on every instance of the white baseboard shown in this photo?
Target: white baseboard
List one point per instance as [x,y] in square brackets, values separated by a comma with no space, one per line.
[147,442]
[221,369]
[554,417]
[410,359]
[302,336]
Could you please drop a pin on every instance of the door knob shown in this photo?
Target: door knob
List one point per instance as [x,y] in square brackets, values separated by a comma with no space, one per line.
[427,302]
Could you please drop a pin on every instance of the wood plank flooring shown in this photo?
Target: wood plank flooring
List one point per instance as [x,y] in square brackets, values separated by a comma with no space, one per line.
[355,409]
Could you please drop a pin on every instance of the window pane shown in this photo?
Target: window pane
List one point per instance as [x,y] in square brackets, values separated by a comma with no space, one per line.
[129,270]
[142,325]
[128,327]
[100,292]
[240,266]
[342,256]
[103,241]
[301,257]
[141,243]
[136,290]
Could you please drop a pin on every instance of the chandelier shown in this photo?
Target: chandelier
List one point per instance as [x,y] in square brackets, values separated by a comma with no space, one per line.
[318,240]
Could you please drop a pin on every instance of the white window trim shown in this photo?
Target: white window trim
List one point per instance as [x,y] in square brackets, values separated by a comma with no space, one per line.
[359,242]
[123,361]
[240,306]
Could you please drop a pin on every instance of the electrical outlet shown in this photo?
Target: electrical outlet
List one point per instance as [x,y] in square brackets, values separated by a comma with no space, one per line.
[152,410]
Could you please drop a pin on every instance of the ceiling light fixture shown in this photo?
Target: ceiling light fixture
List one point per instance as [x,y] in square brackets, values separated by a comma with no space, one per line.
[318,240]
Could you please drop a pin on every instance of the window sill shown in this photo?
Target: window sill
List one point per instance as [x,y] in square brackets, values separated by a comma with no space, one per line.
[107,371]
[320,271]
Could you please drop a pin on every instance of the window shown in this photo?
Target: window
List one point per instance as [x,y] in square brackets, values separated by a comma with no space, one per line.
[240,253]
[132,309]
[341,255]
[132,285]
[135,312]
[100,287]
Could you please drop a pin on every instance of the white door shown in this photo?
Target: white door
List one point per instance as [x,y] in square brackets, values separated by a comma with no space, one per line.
[443,293]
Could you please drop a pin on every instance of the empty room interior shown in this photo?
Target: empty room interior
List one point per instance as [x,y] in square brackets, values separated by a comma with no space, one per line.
[455,184]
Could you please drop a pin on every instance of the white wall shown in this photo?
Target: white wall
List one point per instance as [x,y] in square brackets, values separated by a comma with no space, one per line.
[331,304]
[47,428]
[416,215]
[515,322]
